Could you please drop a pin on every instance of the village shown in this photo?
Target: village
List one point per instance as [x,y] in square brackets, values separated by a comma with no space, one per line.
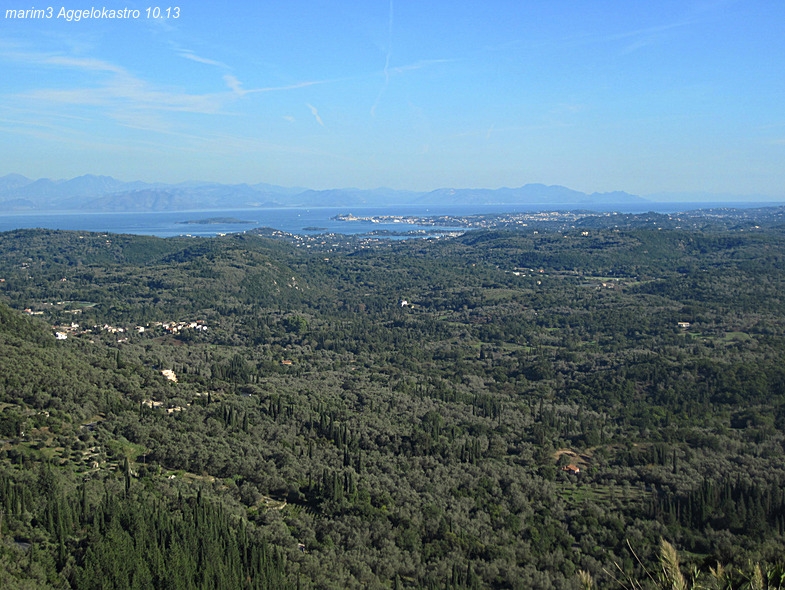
[63,331]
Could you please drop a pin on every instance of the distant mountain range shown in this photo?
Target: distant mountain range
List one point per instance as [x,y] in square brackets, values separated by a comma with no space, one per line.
[107,194]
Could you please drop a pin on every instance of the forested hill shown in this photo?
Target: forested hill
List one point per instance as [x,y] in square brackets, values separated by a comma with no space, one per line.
[498,410]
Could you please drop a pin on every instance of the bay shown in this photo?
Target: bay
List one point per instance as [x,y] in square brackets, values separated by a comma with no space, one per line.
[299,221]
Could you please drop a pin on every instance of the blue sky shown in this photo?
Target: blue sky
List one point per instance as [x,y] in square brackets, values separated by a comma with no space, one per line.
[644,97]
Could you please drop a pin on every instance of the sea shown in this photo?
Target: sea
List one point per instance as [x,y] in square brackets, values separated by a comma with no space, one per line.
[299,221]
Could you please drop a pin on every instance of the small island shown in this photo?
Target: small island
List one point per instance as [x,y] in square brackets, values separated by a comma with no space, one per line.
[216,220]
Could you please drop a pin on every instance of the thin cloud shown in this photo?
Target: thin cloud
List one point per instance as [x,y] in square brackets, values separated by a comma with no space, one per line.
[113,93]
[388,71]
[132,93]
[646,36]
[648,31]
[191,55]
[120,96]
[315,113]
[36,116]
[288,87]
[118,90]
[82,63]
[386,61]
[418,65]
[85,64]
[237,87]
[202,60]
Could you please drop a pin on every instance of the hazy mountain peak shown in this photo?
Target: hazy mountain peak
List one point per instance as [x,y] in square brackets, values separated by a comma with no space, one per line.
[12,181]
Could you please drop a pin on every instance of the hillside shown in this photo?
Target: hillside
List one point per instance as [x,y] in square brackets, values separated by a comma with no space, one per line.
[497,410]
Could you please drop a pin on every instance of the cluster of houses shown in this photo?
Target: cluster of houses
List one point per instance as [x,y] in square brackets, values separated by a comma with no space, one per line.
[150,403]
[63,331]
[175,327]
